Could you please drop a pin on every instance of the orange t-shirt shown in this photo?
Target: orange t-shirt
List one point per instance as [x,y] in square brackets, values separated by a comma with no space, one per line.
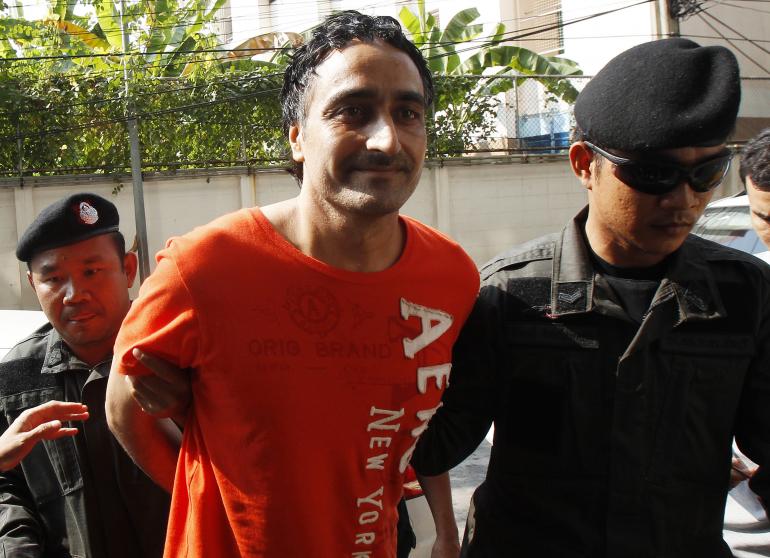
[311,386]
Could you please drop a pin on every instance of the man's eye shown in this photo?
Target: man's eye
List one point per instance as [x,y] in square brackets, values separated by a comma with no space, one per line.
[52,279]
[351,112]
[409,114]
[91,271]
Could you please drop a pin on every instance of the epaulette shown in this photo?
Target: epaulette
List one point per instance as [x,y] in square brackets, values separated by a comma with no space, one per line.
[541,248]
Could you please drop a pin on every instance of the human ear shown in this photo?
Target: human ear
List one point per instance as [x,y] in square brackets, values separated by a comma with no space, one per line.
[130,264]
[295,140]
[580,159]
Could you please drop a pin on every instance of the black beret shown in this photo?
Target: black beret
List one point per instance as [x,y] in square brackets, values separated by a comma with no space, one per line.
[69,220]
[662,95]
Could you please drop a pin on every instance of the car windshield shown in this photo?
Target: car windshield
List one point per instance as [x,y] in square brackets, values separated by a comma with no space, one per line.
[730,226]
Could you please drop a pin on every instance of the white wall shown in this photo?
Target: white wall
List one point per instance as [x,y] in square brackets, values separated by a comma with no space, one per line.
[486,205]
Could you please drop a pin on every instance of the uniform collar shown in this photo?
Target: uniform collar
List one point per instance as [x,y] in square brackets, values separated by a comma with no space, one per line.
[689,279]
[60,358]
[573,274]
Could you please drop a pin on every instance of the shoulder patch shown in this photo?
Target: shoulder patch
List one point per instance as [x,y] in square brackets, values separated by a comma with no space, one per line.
[23,374]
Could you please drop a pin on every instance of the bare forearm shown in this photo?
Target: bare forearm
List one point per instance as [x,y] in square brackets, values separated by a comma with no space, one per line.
[438,493]
[151,442]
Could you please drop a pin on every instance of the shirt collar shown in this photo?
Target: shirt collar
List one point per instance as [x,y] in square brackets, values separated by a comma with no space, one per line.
[60,358]
[689,278]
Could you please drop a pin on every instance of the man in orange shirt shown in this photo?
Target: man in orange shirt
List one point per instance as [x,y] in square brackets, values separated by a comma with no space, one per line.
[319,328]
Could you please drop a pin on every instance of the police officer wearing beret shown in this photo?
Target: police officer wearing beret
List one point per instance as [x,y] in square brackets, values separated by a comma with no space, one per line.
[69,490]
[618,357]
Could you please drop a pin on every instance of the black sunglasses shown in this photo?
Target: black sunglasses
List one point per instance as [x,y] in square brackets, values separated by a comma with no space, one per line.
[660,178]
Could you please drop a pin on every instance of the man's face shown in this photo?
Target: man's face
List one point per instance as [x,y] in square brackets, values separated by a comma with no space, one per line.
[634,229]
[362,141]
[83,291]
[759,200]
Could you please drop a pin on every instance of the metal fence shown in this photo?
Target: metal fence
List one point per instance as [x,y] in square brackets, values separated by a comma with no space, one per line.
[530,118]
[474,115]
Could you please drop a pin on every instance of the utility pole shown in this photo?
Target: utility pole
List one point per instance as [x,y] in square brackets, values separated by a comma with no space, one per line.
[20,147]
[667,26]
[136,161]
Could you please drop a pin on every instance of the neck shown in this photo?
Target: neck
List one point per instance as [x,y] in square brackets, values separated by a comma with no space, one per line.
[345,240]
[93,355]
[615,251]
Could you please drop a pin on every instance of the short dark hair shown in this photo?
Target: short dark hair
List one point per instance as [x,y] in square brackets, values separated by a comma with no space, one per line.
[755,160]
[119,241]
[336,32]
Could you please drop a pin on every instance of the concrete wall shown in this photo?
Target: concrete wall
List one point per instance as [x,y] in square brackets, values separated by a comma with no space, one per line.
[486,205]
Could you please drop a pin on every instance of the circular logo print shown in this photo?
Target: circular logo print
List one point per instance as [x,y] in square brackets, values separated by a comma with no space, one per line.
[314,310]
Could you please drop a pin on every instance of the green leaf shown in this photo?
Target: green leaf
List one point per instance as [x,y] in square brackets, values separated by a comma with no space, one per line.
[423,19]
[92,40]
[109,22]
[59,8]
[435,53]
[458,30]
[156,34]
[215,7]
[412,24]
[497,35]
[21,29]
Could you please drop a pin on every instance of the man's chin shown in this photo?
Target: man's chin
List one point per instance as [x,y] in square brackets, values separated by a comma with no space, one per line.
[373,199]
[82,333]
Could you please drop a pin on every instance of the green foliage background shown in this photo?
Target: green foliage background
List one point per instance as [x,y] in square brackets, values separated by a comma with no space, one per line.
[200,105]
[65,124]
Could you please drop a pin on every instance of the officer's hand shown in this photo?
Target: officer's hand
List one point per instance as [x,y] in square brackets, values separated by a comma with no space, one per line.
[164,393]
[739,472]
[43,422]
[445,548]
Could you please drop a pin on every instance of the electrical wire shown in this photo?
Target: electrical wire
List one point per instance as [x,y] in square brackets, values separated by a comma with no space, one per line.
[736,32]
[505,37]
[757,10]
[404,3]
[508,37]
[731,43]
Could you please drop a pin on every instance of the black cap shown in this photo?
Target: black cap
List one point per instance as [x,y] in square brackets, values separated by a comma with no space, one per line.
[662,95]
[70,220]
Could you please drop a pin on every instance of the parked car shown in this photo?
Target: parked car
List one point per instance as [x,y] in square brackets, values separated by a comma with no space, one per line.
[728,221]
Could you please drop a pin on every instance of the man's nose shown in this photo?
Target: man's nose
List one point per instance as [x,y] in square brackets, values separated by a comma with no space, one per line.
[383,136]
[74,291]
[681,197]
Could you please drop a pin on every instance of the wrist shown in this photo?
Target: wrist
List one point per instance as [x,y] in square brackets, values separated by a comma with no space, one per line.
[448,532]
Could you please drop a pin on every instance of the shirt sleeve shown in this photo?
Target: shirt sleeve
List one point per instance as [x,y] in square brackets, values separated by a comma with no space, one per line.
[467,406]
[21,530]
[752,432]
[162,321]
